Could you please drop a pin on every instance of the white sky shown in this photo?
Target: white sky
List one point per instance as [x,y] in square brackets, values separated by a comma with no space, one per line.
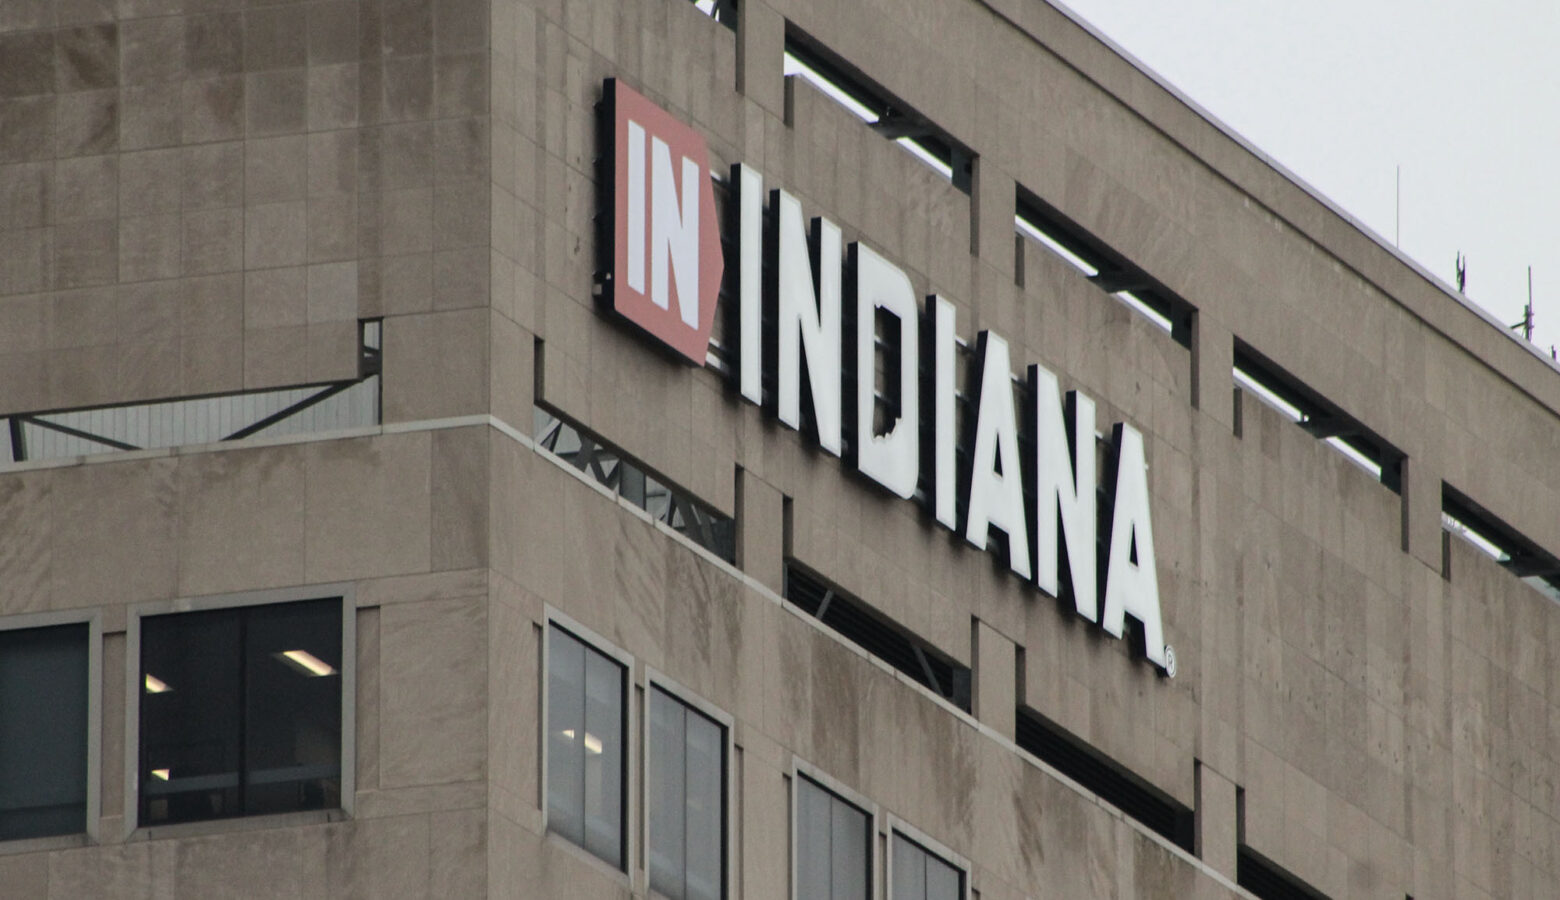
[1464,95]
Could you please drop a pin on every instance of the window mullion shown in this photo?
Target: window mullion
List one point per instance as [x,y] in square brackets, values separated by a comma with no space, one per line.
[242,656]
[683,715]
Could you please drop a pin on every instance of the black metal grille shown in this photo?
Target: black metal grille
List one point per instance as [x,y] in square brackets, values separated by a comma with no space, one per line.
[1268,880]
[878,635]
[609,466]
[1113,782]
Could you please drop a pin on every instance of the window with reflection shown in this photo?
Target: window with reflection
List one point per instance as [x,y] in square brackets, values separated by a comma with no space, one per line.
[240,712]
[687,772]
[920,874]
[834,839]
[43,731]
[585,760]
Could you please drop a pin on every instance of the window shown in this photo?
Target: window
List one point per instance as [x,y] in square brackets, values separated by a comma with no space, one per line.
[687,770]
[585,760]
[240,711]
[920,874]
[43,731]
[833,845]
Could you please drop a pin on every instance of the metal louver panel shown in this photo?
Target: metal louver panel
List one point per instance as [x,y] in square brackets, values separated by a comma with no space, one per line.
[1267,880]
[878,635]
[186,421]
[608,466]
[1112,781]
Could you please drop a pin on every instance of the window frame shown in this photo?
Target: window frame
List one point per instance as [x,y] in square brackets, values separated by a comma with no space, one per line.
[93,619]
[632,682]
[654,679]
[895,825]
[347,593]
[800,768]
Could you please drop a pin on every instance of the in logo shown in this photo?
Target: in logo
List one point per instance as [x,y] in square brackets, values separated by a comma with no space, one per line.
[666,256]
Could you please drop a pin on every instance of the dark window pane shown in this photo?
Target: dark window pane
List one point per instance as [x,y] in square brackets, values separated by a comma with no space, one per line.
[43,731]
[909,870]
[585,766]
[668,768]
[604,758]
[920,874]
[849,851]
[565,736]
[813,824]
[943,882]
[191,716]
[292,734]
[833,841]
[241,711]
[687,770]
[706,809]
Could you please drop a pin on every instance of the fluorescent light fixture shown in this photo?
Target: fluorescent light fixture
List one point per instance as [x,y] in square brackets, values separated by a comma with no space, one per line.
[919,151]
[1030,229]
[1153,315]
[306,662]
[794,66]
[592,743]
[1355,456]
[155,685]
[1485,545]
[161,774]
[1248,383]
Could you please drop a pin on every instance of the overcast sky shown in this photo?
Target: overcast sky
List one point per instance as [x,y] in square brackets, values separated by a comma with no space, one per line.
[1463,95]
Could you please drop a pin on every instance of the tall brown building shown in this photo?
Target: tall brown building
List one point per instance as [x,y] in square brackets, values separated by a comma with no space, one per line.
[1080,507]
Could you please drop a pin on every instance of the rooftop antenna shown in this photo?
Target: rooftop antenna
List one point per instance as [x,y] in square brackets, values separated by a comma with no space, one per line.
[1462,272]
[1527,311]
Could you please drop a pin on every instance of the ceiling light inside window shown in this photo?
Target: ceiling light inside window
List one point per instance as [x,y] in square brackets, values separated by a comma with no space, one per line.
[155,685]
[306,662]
[161,774]
[592,743]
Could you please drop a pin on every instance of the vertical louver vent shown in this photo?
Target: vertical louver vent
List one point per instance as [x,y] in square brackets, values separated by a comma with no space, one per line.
[1113,782]
[878,635]
[1267,880]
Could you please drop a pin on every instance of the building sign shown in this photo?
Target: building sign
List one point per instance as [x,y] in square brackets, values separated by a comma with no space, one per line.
[817,314]
[666,262]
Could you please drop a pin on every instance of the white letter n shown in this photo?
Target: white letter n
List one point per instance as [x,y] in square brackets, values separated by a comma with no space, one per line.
[674,233]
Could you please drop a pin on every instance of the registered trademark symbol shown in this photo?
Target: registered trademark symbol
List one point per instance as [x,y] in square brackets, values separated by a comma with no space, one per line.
[1169,661]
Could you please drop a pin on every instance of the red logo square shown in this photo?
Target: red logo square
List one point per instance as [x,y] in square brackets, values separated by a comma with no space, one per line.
[666,254]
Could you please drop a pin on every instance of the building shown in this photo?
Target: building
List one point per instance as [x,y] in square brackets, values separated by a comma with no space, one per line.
[358,537]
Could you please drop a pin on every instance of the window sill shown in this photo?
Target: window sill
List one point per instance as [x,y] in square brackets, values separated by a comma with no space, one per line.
[236,824]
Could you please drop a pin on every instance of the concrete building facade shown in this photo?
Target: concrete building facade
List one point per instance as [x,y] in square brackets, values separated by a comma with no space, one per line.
[303,302]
